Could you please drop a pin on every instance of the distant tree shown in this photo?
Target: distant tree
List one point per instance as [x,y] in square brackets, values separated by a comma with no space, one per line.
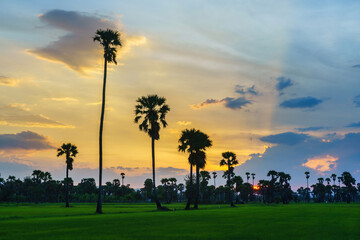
[151,112]
[109,40]
[70,151]
[247,176]
[333,176]
[148,186]
[328,181]
[348,181]
[271,188]
[214,177]
[195,143]
[307,175]
[238,182]
[253,178]
[229,160]
[181,188]
[122,178]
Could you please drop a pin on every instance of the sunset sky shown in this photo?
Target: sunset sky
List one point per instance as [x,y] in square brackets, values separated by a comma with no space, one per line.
[277,82]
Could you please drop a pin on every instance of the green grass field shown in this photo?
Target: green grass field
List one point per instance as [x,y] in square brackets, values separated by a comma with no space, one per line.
[141,221]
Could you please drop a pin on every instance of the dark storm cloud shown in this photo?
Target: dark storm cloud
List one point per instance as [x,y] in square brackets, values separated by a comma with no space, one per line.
[24,141]
[302,102]
[287,138]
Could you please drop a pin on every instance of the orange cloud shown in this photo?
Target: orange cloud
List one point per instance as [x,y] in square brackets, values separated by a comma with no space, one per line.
[321,163]
[6,81]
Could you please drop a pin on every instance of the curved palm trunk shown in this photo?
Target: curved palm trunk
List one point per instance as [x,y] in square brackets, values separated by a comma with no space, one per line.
[197,187]
[190,186]
[158,205]
[99,202]
[67,187]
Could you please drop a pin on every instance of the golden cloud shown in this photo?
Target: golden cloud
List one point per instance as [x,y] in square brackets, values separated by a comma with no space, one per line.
[6,81]
[322,163]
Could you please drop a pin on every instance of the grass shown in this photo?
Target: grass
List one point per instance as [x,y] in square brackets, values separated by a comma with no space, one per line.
[141,221]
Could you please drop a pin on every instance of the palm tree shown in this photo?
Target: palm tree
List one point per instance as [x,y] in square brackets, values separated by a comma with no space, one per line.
[195,143]
[70,152]
[307,174]
[214,177]
[122,177]
[333,176]
[229,159]
[328,181]
[247,176]
[253,178]
[109,40]
[151,110]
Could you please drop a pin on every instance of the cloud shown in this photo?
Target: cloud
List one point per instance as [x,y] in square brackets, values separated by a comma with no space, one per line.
[229,102]
[287,138]
[321,163]
[183,123]
[356,66]
[18,115]
[26,140]
[62,99]
[6,81]
[250,90]
[353,125]
[302,102]
[283,83]
[171,171]
[76,49]
[292,158]
[310,129]
[356,101]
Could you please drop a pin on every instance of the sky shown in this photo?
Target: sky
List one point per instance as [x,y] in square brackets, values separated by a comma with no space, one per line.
[276,82]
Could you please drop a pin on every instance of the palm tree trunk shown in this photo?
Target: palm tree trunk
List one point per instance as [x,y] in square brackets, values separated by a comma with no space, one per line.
[99,202]
[197,187]
[158,205]
[67,187]
[190,189]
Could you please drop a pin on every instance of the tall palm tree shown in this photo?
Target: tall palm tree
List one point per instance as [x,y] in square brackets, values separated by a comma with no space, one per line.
[333,176]
[214,177]
[151,111]
[70,152]
[229,159]
[328,180]
[195,143]
[253,178]
[247,176]
[122,177]
[109,40]
[307,174]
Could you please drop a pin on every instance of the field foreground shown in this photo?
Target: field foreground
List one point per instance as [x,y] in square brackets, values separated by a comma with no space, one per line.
[141,221]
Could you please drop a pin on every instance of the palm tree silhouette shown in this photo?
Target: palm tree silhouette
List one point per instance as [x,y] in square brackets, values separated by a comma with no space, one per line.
[70,152]
[109,40]
[229,159]
[214,177]
[122,177]
[151,110]
[253,178]
[333,176]
[328,181]
[247,176]
[307,174]
[195,143]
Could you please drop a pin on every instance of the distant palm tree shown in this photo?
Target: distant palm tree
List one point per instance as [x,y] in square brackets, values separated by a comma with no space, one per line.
[253,178]
[328,181]
[122,177]
[109,40]
[214,177]
[151,110]
[247,176]
[321,180]
[307,174]
[229,159]
[333,176]
[70,152]
[195,143]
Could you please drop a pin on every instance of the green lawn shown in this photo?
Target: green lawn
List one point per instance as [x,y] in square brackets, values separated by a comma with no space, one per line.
[141,221]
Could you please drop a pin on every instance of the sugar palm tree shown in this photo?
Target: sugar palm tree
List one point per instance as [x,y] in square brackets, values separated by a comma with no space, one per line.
[109,40]
[122,177]
[229,160]
[214,177]
[70,152]
[253,178]
[150,112]
[333,176]
[247,176]
[195,143]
